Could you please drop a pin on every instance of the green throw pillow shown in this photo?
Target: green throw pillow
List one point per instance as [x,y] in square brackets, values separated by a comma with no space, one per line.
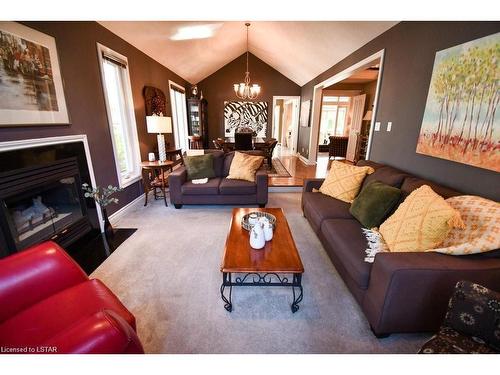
[199,166]
[374,203]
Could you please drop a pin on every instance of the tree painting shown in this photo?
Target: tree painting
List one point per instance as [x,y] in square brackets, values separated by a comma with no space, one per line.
[461,118]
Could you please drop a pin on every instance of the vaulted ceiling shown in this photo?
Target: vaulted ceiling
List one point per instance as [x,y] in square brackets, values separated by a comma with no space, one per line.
[299,50]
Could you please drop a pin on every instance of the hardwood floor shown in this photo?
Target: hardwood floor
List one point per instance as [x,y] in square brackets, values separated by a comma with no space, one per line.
[298,169]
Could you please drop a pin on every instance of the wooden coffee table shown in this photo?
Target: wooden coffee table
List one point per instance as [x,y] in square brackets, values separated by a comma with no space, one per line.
[277,264]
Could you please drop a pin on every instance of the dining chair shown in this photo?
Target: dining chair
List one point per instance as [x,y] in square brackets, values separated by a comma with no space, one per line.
[219,143]
[243,141]
[268,150]
[244,129]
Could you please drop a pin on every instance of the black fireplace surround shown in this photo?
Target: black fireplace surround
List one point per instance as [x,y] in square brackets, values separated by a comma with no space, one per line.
[41,196]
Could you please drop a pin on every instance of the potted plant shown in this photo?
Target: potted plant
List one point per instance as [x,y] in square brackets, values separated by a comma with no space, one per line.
[103,197]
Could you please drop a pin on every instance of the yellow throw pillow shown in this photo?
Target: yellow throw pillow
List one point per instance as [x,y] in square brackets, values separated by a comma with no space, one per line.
[244,166]
[420,223]
[344,181]
[481,217]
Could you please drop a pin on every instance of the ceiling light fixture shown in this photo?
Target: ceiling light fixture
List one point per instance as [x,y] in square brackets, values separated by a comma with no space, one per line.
[245,90]
[196,32]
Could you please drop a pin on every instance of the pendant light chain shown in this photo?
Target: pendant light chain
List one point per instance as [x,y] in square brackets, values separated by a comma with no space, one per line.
[247,25]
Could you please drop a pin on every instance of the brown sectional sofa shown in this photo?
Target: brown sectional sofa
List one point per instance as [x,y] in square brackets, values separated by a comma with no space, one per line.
[218,190]
[398,292]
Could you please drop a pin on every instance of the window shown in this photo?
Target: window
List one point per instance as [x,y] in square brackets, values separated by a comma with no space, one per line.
[341,99]
[333,117]
[179,115]
[121,118]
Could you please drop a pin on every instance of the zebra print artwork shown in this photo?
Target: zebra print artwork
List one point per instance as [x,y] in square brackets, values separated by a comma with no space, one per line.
[245,115]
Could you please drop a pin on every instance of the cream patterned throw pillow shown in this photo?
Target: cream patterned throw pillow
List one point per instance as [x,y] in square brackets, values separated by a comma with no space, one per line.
[421,222]
[481,217]
[344,181]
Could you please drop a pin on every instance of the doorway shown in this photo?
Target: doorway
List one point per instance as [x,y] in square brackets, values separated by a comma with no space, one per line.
[335,108]
[285,122]
[179,115]
[351,108]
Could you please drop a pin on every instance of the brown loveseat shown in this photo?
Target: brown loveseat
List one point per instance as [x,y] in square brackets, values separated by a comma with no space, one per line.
[398,292]
[218,190]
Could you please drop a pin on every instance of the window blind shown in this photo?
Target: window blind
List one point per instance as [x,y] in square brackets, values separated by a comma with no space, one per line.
[114,59]
[178,89]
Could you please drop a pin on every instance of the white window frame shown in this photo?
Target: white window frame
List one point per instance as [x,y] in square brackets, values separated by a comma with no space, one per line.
[179,143]
[133,138]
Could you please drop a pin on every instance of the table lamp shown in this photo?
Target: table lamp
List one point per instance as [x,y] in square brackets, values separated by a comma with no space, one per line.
[159,125]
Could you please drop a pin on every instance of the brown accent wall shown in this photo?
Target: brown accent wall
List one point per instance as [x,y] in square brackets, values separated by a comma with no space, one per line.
[76,46]
[410,48]
[218,87]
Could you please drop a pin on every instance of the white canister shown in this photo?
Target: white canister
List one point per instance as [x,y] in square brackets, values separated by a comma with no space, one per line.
[257,240]
[267,227]
[151,156]
[253,219]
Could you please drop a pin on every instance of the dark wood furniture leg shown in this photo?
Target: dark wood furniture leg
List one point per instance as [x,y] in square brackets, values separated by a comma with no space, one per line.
[163,189]
[145,183]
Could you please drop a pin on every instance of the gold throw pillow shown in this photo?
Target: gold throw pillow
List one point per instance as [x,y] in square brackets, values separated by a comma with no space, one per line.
[420,223]
[344,181]
[244,166]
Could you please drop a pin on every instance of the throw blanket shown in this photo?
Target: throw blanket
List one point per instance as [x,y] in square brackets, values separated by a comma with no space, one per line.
[481,233]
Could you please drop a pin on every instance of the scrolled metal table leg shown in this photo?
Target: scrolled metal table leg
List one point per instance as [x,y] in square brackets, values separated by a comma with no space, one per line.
[297,283]
[227,302]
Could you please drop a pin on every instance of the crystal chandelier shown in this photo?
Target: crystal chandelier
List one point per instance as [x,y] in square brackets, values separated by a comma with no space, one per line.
[245,90]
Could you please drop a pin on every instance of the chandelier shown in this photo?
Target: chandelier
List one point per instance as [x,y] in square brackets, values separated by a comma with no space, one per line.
[245,90]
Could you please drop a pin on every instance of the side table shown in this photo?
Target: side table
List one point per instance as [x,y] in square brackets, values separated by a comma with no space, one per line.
[152,177]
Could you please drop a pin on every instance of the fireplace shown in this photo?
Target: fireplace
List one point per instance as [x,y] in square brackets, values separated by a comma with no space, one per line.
[40,193]
[43,202]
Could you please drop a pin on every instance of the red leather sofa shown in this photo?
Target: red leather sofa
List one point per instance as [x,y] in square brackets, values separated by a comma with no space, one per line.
[49,305]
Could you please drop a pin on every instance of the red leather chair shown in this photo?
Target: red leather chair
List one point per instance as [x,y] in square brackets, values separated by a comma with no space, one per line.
[49,305]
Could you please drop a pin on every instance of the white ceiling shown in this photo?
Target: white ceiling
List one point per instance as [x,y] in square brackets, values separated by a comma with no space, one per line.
[298,50]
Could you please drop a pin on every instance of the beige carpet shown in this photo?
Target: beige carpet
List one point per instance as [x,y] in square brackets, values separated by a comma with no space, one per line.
[168,275]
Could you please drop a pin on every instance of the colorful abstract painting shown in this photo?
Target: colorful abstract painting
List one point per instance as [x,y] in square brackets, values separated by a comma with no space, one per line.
[461,120]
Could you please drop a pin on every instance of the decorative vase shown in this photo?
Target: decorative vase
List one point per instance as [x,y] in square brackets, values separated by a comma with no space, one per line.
[108,228]
[267,228]
[257,240]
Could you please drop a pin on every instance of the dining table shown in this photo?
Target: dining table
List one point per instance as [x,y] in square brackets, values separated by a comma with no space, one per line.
[257,141]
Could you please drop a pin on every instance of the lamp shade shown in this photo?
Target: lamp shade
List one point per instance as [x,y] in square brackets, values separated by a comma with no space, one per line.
[368,115]
[159,124]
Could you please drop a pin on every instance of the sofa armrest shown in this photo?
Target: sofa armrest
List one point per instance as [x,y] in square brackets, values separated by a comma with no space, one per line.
[261,179]
[410,291]
[105,332]
[34,274]
[175,181]
[312,183]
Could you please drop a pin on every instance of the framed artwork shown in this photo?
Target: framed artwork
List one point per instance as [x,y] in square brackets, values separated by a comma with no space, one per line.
[245,115]
[31,87]
[461,120]
[305,113]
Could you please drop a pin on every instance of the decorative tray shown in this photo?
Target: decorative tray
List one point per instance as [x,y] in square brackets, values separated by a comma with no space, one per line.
[247,226]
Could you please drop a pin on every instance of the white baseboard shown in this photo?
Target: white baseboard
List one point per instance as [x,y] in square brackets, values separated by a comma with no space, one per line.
[115,216]
[305,160]
[285,189]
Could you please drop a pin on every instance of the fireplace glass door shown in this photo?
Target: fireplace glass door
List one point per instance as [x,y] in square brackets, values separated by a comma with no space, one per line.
[39,213]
